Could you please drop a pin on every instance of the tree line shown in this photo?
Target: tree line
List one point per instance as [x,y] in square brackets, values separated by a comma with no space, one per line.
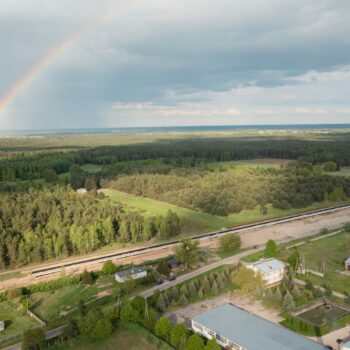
[56,222]
[187,152]
[233,190]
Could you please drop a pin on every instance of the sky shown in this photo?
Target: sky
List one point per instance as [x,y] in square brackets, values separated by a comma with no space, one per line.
[124,63]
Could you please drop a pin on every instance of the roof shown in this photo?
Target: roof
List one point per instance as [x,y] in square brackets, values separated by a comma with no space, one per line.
[347,261]
[252,332]
[269,265]
[173,261]
[129,272]
[347,344]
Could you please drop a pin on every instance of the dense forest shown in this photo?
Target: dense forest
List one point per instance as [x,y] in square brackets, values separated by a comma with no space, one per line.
[40,225]
[42,217]
[233,190]
[173,154]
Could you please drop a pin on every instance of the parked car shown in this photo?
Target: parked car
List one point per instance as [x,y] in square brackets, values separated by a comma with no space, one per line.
[159,281]
[171,278]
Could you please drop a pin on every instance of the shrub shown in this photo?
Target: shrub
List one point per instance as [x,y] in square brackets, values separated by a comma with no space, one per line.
[108,267]
[229,242]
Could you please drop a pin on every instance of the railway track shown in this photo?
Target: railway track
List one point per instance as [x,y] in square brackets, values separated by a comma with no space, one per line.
[79,263]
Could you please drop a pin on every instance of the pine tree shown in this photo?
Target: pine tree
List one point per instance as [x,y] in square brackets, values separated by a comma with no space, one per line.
[278,295]
[183,300]
[296,292]
[215,288]
[288,301]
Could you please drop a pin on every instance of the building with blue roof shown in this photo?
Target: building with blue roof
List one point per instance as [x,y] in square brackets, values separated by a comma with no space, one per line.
[241,330]
[271,270]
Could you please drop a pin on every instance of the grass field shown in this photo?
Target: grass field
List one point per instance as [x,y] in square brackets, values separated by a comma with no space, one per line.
[52,305]
[91,168]
[332,251]
[251,163]
[15,320]
[197,221]
[345,171]
[126,337]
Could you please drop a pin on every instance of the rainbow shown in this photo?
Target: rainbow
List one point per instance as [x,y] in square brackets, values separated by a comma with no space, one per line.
[55,52]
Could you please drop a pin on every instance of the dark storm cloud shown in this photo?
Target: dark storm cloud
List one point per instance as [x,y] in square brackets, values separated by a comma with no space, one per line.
[179,62]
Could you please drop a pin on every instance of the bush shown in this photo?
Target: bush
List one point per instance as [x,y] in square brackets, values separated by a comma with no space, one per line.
[229,242]
[33,338]
[14,293]
[324,231]
[108,267]
[270,249]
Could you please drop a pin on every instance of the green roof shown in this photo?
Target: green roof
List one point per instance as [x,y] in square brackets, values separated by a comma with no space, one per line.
[252,332]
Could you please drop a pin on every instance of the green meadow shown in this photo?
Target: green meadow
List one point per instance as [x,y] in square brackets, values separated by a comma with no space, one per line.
[194,221]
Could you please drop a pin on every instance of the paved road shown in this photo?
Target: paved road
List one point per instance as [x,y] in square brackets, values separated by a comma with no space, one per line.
[52,333]
[233,260]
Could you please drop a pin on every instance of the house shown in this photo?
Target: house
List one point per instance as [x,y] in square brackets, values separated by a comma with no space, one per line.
[271,270]
[2,326]
[347,264]
[133,273]
[240,330]
[81,190]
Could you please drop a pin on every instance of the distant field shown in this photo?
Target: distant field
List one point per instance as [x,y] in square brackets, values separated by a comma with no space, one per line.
[16,321]
[251,163]
[345,171]
[196,221]
[91,168]
[128,337]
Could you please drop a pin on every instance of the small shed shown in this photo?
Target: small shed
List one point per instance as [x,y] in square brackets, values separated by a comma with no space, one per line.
[347,264]
[2,326]
[81,190]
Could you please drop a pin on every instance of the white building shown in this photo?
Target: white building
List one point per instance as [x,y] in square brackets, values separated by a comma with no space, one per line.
[271,270]
[240,330]
[81,190]
[133,273]
[2,326]
[346,346]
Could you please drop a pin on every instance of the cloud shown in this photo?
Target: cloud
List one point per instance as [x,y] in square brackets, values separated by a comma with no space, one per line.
[177,62]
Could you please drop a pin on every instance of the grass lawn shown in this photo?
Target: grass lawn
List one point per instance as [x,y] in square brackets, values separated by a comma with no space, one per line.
[197,221]
[128,337]
[15,320]
[194,221]
[332,251]
[51,305]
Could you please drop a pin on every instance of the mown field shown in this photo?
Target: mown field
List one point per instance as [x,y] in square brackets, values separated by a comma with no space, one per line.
[52,305]
[15,319]
[331,251]
[264,163]
[197,221]
[126,337]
